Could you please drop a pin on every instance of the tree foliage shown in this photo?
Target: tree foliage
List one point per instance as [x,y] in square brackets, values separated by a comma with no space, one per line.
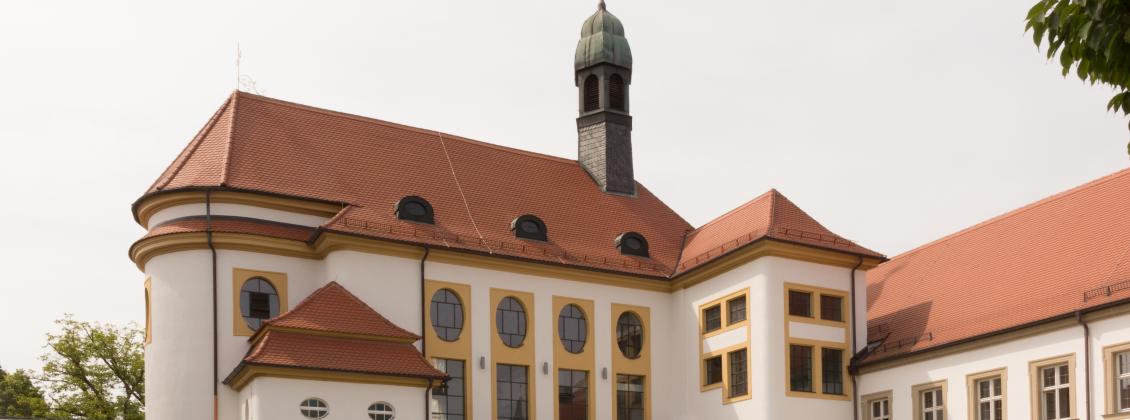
[1092,39]
[19,397]
[95,371]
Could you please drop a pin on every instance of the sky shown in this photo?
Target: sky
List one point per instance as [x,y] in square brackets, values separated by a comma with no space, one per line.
[894,123]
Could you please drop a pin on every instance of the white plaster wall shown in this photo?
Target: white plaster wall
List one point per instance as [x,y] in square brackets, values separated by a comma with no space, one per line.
[279,399]
[241,210]
[1015,357]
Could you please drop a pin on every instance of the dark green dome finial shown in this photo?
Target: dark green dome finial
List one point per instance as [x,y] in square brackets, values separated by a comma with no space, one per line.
[602,41]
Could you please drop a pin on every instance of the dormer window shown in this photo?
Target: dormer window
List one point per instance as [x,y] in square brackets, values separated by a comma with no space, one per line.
[415,209]
[632,243]
[529,227]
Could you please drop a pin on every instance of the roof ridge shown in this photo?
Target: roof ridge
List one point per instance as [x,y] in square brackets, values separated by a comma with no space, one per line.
[192,147]
[735,210]
[226,169]
[1030,206]
[390,124]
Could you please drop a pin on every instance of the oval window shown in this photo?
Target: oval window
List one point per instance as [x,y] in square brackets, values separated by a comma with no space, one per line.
[510,320]
[447,315]
[314,408]
[629,335]
[258,302]
[572,328]
[382,411]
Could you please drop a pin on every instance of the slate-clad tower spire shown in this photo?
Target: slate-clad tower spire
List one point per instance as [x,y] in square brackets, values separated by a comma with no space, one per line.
[603,66]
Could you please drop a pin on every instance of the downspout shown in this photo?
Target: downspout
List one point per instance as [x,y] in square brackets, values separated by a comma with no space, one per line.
[215,318]
[854,348]
[1086,357]
[423,328]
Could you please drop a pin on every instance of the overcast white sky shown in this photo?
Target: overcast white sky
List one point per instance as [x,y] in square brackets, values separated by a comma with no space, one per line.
[892,122]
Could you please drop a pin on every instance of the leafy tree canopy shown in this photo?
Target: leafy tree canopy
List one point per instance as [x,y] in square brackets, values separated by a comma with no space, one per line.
[95,371]
[19,397]
[1092,39]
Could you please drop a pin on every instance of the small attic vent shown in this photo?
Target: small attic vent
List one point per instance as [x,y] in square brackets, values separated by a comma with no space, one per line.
[632,243]
[529,227]
[592,93]
[415,209]
[616,92]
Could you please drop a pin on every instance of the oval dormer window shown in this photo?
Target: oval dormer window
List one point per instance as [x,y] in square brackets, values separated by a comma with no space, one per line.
[632,243]
[529,227]
[415,209]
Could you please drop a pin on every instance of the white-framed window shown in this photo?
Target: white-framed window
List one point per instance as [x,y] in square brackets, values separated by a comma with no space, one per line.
[1122,381]
[932,405]
[314,408]
[1055,392]
[879,409]
[990,399]
[382,411]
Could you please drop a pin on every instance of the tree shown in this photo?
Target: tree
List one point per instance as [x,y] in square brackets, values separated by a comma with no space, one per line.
[19,397]
[1092,38]
[95,371]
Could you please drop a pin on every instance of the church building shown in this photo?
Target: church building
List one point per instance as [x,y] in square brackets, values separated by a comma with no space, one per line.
[301,263]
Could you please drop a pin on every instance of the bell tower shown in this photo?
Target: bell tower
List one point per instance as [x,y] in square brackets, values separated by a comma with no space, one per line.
[603,70]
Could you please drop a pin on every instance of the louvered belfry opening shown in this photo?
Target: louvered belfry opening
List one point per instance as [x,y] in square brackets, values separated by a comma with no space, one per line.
[592,93]
[616,92]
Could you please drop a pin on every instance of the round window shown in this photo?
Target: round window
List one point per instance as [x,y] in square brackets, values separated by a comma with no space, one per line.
[382,411]
[314,408]
[510,320]
[530,227]
[447,315]
[572,328]
[629,335]
[258,302]
[415,209]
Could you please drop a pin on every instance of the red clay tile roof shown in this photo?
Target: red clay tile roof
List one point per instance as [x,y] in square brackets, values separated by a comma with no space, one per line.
[333,309]
[258,144]
[228,224]
[296,350]
[1065,253]
[771,215]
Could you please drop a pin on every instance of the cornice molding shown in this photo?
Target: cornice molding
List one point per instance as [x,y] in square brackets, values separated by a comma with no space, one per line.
[150,205]
[245,373]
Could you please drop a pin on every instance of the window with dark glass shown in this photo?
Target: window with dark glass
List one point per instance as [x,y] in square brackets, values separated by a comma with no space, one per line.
[381,411]
[629,397]
[512,385]
[880,409]
[712,318]
[800,303]
[529,227]
[258,302]
[573,394]
[447,315]
[990,400]
[449,399]
[1055,392]
[831,308]
[933,405]
[510,319]
[629,335]
[592,93]
[632,243]
[313,408]
[800,368]
[415,209]
[572,328]
[832,364]
[712,370]
[739,373]
[616,92]
[736,310]
[1122,379]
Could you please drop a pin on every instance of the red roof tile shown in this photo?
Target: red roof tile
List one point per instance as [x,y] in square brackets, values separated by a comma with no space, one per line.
[771,215]
[1044,260]
[296,350]
[333,309]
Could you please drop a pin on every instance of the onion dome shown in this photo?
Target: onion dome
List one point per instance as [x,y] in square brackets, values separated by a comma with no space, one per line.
[603,41]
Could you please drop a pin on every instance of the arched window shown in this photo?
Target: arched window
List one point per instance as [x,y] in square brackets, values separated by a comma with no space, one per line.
[415,209]
[632,243]
[572,328]
[314,408]
[382,411]
[616,92]
[447,315]
[629,335]
[258,302]
[529,227]
[592,93]
[510,320]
